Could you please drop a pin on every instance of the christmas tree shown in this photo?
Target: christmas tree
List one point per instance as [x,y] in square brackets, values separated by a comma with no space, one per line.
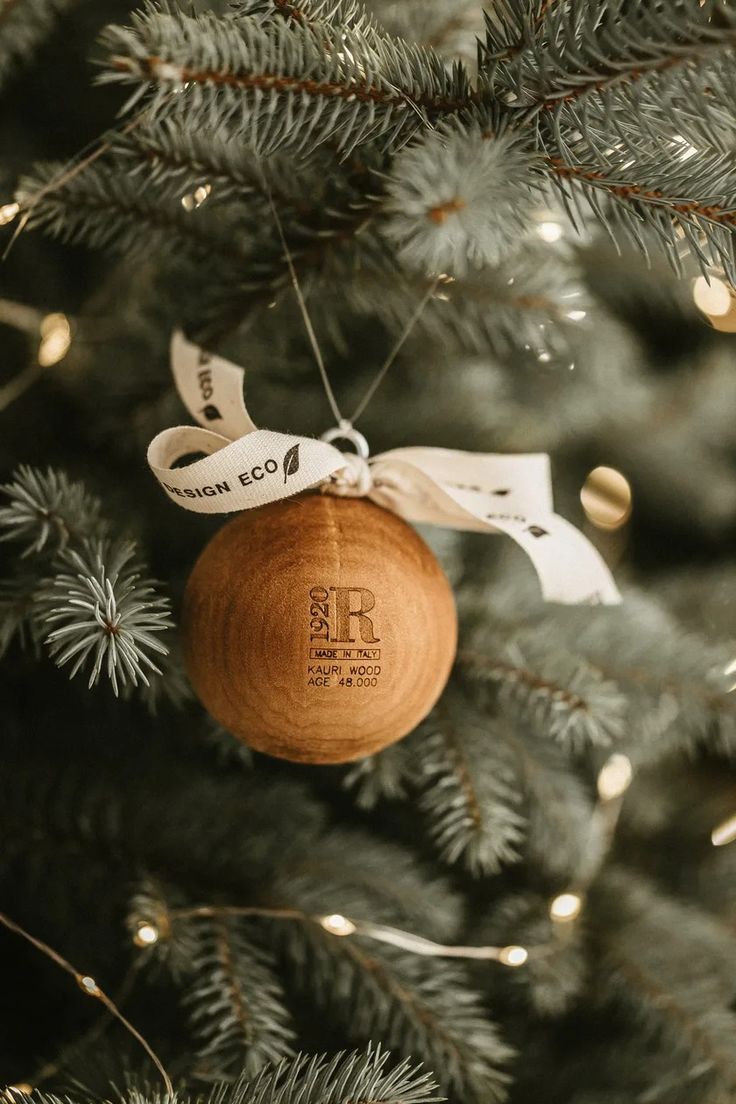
[526,215]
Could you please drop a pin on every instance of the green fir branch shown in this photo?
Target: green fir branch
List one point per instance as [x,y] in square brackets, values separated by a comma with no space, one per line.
[337,13]
[419,1009]
[283,84]
[104,616]
[109,209]
[341,1079]
[580,49]
[175,160]
[46,511]
[673,967]
[235,1002]
[462,197]
[381,777]
[86,587]
[24,24]
[470,789]
[563,698]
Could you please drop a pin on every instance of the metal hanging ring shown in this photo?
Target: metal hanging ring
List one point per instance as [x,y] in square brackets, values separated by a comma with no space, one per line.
[346,432]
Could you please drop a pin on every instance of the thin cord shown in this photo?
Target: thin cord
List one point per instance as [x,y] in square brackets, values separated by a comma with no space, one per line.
[360,408]
[339,925]
[68,171]
[305,313]
[92,989]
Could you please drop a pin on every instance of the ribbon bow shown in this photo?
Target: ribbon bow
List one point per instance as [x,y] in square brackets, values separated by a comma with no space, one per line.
[244,467]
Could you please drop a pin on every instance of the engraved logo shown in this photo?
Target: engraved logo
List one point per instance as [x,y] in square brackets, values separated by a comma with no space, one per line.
[291,462]
[337,614]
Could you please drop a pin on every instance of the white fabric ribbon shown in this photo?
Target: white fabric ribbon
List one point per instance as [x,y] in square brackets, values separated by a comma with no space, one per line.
[244,467]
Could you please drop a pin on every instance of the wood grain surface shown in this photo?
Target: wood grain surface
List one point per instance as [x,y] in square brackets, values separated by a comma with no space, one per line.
[318,629]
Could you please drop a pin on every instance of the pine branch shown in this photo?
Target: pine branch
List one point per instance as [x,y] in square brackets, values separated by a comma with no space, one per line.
[418,1010]
[470,789]
[174,158]
[581,49]
[108,209]
[235,1002]
[105,617]
[24,24]
[552,980]
[563,838]
[565,699]
[283,83]
[461,198]
[337,13]
[673,967]
[17,603]
[674,683]
[357,1078]
[643,203]
[511,27]
[47,511]
[517,309]
[380,777]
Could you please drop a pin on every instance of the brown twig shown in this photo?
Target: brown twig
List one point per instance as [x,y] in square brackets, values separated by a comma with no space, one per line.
[635,193]
[149,67]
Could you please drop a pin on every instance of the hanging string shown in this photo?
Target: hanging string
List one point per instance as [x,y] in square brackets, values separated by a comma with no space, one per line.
[360,408]
[343,423]
[305,313]
[89,986]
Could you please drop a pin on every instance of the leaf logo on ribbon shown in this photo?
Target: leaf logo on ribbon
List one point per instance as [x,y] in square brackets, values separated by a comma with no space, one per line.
[211,412]
[291,462]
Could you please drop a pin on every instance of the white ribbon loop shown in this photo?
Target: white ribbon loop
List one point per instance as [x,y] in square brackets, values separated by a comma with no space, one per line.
[230,465]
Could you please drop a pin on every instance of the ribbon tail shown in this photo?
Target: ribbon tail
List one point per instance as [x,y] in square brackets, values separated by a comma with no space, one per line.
[571,571]
[211,388]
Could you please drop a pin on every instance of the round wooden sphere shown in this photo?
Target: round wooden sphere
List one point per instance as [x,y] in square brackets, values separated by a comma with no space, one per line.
[318,629]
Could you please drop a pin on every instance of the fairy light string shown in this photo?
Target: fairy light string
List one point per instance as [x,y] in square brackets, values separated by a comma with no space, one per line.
[89,986]
[613,780]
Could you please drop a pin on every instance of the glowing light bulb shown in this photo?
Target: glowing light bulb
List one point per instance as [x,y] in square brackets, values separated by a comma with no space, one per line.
[56,337]
[146,934]
[550,231]
[513,956]
[8,211]
[336,924]
[712,297]
[614,777]
[606,498]
[89,986]
[195,199]
[566,907]
[724,833]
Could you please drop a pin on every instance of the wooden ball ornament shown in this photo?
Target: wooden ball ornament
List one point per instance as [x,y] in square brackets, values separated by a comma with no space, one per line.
[318,629]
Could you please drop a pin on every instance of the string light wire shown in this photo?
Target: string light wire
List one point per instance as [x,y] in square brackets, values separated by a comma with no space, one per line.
[342,926]
[89,986]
